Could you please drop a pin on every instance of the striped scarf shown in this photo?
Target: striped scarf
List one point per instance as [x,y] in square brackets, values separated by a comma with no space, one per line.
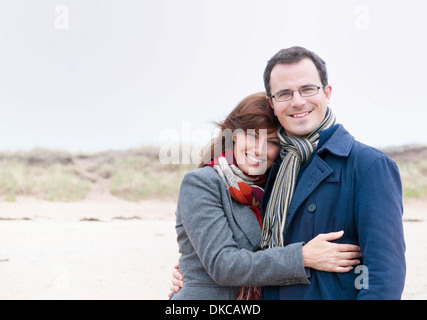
[245,190]
[294,152]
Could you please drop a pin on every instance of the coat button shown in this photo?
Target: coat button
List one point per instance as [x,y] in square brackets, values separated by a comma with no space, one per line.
[312,208]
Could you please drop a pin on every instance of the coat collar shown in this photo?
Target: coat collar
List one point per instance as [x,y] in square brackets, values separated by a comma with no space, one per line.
[319,170]
[340,143]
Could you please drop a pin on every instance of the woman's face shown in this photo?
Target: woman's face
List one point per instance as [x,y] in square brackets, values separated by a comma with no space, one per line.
[255,151]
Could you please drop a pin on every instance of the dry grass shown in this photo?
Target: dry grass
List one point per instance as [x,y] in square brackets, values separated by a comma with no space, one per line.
[412,162]
[137,178]
[137,174]
[414,178]
[134,175]
[54,182]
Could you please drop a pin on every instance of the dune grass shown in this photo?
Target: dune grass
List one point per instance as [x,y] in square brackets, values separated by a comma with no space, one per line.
[414,178]
[139,178]
[53,182]
[133,175]
[14,180]
[59,183]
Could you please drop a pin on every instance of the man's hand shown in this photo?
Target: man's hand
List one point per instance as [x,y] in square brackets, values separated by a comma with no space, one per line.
[323,255]
[177,281]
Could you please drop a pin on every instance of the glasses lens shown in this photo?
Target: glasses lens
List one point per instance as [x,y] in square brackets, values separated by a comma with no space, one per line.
[309,91]
[283,96]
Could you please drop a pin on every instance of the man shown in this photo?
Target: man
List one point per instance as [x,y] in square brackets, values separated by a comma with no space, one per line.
[325,181]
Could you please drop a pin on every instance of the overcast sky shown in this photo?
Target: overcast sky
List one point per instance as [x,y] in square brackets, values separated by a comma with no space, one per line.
[91,75]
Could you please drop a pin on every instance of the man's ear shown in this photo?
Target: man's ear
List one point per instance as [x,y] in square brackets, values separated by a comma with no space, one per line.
[328,93]
[270,102]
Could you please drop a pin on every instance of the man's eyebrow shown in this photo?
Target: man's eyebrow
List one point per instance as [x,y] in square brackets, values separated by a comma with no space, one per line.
[303,86]
[283,90]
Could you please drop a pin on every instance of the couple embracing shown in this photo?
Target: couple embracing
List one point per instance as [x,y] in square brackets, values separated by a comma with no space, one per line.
[288,203]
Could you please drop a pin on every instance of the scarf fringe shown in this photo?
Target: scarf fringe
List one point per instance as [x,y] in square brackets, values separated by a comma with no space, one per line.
[249,293]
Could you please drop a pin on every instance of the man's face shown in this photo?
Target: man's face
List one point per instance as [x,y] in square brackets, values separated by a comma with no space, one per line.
[301,115]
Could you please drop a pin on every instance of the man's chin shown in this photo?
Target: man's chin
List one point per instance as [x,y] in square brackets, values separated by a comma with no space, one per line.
[298,133]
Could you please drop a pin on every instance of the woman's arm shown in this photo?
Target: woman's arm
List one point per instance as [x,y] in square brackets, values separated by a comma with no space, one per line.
[202,214]
[319,254]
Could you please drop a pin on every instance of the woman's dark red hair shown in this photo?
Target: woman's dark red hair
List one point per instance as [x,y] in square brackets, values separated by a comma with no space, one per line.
[252,113]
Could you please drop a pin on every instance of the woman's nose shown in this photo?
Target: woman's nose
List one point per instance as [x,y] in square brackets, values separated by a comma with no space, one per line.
[261,145]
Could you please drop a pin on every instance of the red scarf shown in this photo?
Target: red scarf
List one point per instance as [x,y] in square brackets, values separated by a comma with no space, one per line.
[244,193]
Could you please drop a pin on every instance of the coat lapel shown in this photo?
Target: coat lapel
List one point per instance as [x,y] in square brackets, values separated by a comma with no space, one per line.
[247,222]
[316,172]
[340,145]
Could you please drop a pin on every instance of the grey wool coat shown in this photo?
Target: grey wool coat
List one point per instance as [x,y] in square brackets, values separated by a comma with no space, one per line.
[218,240]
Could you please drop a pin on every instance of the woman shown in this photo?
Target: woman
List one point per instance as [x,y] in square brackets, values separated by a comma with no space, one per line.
[218,220]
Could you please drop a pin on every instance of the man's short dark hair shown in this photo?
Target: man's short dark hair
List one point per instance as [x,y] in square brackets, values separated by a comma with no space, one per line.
[291,56]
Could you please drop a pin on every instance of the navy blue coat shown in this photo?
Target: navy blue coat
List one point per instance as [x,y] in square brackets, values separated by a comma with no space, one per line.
[352,187]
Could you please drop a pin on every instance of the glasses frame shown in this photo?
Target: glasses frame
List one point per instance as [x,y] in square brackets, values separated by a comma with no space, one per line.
[299,90]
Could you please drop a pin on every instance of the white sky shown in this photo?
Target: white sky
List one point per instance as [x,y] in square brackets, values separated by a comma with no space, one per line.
[129,72]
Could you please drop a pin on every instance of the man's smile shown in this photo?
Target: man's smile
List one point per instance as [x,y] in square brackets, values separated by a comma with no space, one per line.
[300,115]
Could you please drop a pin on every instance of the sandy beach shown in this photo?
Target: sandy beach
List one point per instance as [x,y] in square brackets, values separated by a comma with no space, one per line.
[107,248]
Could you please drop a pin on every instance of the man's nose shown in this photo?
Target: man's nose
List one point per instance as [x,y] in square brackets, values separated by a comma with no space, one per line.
[297,99]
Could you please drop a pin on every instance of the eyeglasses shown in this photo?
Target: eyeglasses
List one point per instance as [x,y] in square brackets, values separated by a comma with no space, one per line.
[287,95]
